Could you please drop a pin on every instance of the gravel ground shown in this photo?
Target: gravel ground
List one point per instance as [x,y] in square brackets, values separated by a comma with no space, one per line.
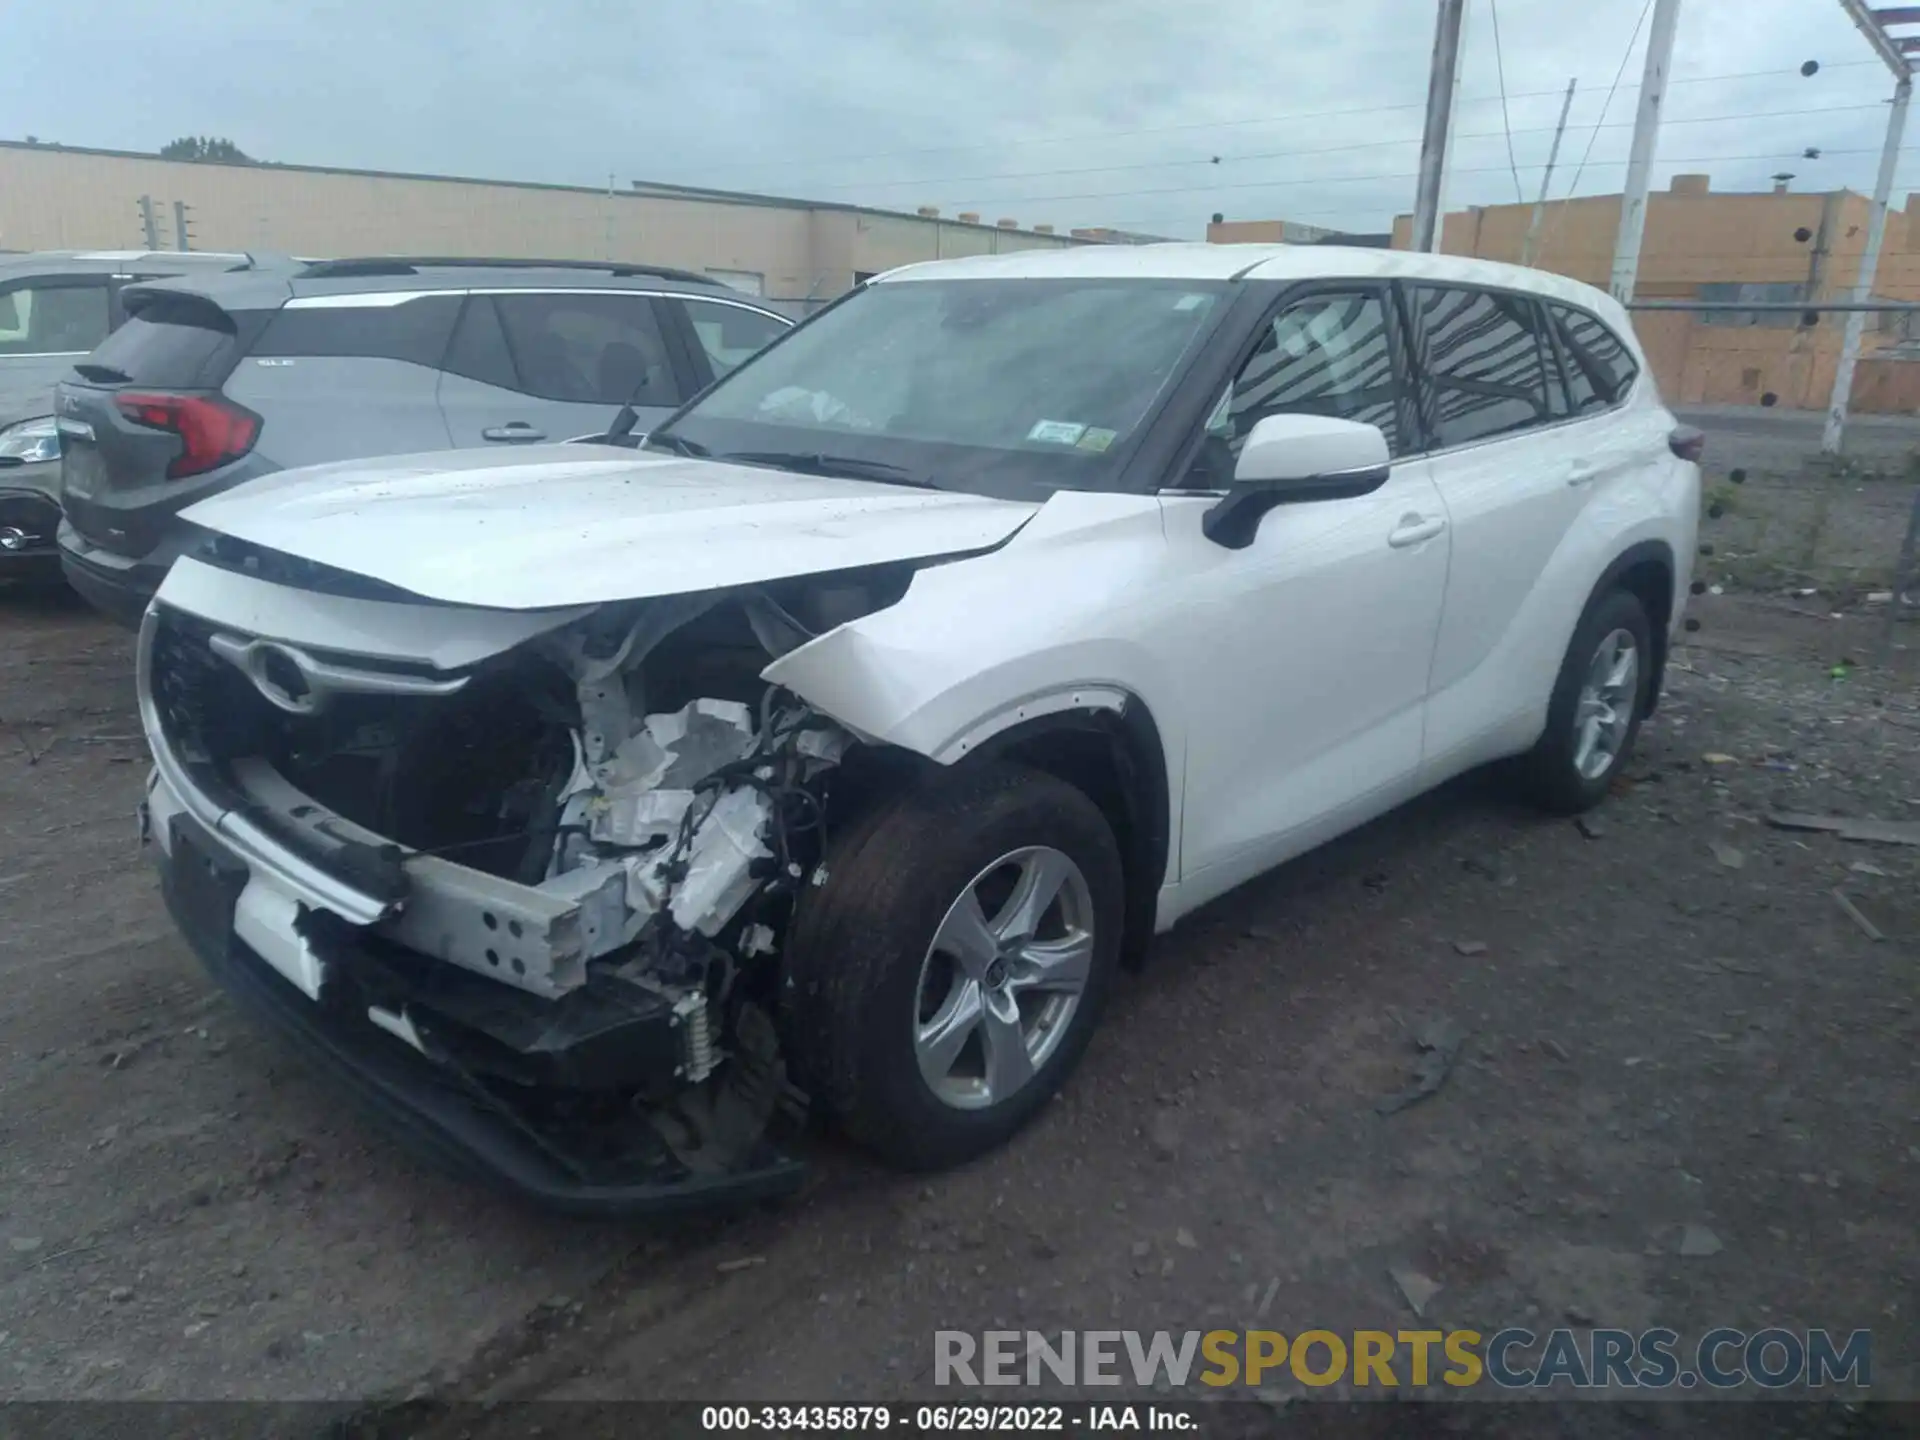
[1672,1024]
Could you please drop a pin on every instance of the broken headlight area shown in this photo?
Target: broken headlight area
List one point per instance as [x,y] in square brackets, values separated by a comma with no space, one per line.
[593,842]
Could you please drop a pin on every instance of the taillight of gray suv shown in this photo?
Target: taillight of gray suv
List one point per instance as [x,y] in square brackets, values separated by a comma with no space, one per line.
[223,379]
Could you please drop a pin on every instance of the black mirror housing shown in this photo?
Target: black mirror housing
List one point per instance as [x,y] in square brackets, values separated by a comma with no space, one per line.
[1235,520]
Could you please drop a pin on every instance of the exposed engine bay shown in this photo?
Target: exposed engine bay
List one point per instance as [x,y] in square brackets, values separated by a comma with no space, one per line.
[593,842]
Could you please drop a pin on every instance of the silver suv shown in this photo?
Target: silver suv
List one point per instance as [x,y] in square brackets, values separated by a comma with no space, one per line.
[220,379]
[55,306]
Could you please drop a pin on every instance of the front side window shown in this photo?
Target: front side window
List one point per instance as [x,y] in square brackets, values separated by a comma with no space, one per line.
[1484,363]
[587,349]
[1330,355]
[730,334]
[52,319]
[1017,387]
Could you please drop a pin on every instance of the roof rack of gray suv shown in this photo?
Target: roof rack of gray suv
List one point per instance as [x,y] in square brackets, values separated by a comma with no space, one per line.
[414,264]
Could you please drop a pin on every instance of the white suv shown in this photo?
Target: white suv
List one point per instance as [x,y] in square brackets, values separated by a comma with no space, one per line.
[582,802]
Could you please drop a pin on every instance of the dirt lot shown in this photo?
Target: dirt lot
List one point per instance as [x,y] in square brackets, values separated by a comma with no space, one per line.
[1672,1024]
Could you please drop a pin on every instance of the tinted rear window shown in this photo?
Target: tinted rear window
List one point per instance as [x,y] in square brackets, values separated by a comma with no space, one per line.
[1484,363]
[1603,367]
[416,331]
[178,344]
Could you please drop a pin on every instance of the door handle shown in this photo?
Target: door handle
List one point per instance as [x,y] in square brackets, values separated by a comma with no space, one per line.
[1581,472]
[517,431]
[1413,529]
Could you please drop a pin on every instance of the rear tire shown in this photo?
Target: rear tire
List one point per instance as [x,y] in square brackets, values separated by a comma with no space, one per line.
[1597,705]
[946,977]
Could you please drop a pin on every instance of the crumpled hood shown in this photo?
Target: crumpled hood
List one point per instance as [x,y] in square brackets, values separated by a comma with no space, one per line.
[579,524]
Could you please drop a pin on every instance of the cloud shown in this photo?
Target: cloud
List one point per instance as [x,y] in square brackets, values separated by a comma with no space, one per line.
[1074,112]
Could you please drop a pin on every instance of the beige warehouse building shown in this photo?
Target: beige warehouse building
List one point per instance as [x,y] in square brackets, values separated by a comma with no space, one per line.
[796,251]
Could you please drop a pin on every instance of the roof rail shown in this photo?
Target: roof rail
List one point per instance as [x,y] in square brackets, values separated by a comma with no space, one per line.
[414,264]
[266,260]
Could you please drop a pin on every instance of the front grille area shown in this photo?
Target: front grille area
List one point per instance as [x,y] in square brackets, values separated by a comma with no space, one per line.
[475,774]
[205,707]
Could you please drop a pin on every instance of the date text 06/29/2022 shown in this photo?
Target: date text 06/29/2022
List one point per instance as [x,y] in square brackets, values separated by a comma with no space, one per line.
[1512,1359]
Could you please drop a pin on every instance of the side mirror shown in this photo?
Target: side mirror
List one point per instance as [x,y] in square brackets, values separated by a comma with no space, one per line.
[1291,459]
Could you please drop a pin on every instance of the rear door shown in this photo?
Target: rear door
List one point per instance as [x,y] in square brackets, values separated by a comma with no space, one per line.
[527,366]
[1514,466]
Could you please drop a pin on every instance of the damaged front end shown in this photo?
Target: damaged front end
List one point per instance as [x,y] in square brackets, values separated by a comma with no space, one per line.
[531,902]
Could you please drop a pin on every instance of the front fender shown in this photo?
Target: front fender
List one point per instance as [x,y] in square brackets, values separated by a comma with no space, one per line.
[1070,615]
[916,699]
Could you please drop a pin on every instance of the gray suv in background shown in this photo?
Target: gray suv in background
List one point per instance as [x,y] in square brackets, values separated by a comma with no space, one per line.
[55,306]
[220,379]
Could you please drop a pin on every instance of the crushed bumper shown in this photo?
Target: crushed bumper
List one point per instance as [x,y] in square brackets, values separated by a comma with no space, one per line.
[431,1096]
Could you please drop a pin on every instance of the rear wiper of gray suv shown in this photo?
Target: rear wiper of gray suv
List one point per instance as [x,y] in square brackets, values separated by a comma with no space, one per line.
[846,466]
[102,374]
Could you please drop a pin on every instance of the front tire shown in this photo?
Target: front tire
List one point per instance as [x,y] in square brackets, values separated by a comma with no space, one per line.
[1597,705]
[946,977]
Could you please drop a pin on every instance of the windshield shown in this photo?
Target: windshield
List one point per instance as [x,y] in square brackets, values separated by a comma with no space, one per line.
[1006,387]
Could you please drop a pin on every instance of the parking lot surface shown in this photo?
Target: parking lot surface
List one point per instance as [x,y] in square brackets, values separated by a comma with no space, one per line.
[1674,1030]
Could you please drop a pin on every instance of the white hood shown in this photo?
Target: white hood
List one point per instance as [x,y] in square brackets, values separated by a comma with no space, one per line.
[582,525]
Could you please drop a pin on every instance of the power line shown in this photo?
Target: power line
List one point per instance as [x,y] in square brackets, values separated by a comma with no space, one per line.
[1607,104]
[1586,161]
[1381,177]
[790,163]
[926,183]
[1506,120]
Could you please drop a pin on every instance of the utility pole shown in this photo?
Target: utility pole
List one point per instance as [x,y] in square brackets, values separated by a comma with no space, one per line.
[146,222]
[1532,245]
[1646,135]
[1835,433]
[1443,87]
[1892,50]
[182,237]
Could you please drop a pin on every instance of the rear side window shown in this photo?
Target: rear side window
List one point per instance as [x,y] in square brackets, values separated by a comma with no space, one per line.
[52,319]
[1600,367]
[175,343]
[416,331]
[1484,363]
[588,349]
[730,334]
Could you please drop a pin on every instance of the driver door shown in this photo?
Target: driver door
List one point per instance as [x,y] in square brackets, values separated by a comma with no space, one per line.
[1305,656]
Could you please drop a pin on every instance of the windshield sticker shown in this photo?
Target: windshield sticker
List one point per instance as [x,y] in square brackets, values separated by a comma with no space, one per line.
[1097,439]
[1056,432]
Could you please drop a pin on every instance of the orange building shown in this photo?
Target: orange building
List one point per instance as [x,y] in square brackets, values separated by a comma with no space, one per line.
[1776,247]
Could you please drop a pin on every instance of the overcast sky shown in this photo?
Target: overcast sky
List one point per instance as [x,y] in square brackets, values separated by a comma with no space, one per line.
[1074,112]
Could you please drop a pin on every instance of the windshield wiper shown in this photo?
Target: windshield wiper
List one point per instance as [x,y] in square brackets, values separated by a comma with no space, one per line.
[848,467]
[677,444]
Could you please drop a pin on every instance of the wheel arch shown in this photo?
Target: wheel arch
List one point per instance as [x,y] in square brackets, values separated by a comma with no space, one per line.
[1116,757]
[1646,570]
